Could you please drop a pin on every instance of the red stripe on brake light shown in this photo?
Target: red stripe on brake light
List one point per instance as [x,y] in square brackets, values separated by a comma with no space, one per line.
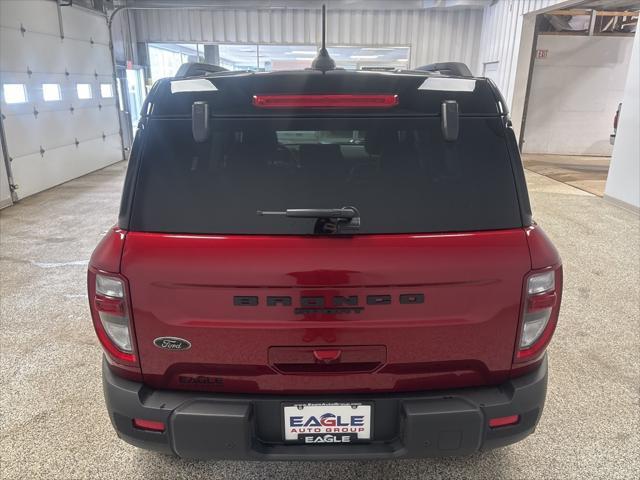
[325,101]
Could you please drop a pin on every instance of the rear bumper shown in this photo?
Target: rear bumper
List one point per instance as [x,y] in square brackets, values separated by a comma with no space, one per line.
[248,427]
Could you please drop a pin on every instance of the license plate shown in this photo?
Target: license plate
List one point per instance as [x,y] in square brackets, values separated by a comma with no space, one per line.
[318,423]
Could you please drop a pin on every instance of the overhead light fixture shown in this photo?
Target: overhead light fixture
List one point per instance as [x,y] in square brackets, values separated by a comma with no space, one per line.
[301,52]
[364,57]
[378,49]
[402,60]
[305,59]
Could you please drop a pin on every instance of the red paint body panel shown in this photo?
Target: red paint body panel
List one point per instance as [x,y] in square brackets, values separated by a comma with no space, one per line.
[108,252]
[106,258]
[544,256]
[462,335]
[543,253]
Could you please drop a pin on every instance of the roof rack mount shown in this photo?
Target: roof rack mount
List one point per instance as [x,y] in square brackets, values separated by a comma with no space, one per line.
[197,69]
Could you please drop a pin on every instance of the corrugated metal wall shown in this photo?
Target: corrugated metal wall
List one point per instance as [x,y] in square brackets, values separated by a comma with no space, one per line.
[434,35]
[501,30]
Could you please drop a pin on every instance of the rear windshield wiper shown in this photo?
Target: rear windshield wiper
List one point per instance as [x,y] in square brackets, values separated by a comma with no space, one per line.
[330,220]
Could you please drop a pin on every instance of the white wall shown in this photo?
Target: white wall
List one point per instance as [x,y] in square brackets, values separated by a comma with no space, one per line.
[42,148]
[623,182]
[435,35]
[574,94]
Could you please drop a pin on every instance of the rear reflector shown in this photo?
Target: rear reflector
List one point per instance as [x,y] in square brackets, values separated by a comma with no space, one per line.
[504,421]
[148,425]
[325,101]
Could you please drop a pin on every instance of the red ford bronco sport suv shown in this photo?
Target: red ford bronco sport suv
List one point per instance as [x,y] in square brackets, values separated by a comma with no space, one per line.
[324,264]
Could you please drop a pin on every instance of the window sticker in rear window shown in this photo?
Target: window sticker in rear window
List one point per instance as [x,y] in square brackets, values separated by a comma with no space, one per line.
[448,84]
[192,85]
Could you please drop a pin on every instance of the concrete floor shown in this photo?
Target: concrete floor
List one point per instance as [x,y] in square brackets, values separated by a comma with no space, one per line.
[54,425]
[587,173]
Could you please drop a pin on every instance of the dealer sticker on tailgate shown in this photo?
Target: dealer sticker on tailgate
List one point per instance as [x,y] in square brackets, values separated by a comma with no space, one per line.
[319,423]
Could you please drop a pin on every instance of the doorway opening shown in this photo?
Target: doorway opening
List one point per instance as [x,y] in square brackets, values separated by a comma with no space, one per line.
[578,74]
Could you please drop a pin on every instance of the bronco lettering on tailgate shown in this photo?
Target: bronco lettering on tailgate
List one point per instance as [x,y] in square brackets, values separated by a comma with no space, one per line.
[333,305]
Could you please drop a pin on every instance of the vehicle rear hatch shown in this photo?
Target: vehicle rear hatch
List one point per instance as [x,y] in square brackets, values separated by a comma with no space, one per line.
[426,294]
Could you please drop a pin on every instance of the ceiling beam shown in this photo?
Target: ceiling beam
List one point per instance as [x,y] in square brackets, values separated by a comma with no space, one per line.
[604,13]
[307,4]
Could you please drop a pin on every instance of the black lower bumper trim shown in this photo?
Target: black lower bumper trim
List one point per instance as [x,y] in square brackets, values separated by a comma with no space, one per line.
[248,427]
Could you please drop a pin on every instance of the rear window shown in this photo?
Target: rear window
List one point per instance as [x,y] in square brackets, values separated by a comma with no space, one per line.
[399,173]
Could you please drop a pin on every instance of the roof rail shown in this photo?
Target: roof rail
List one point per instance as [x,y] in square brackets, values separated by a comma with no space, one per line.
[456,69]
[195,69]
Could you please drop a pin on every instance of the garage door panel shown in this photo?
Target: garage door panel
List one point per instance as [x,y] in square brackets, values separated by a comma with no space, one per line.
[16,12]
[85,25]
[110,113]
[63,164]
[102,59]
[107,103]
[20,140]
[79,56]
[25,133]
[58,123]
[9,59]
[38,52]
[13,54]
[18,108]
[82,58]
[90,122]
[67,91]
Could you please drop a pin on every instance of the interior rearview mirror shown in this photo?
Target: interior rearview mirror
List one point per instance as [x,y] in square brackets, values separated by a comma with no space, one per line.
[200,121]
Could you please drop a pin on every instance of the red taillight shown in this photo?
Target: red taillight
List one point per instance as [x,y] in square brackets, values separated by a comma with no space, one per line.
[325,101]
[110,312]
[504,421]
[540,313]
[150,425]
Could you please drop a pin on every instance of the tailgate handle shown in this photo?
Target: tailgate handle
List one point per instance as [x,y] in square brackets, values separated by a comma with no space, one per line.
[327,356]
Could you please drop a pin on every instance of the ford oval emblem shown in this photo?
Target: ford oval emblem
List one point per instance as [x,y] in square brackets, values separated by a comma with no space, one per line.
[172,343]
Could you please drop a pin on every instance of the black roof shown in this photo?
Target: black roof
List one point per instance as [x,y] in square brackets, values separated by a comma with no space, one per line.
[232,92]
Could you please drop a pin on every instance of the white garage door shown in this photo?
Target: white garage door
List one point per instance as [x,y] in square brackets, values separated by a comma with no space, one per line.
[58,95]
